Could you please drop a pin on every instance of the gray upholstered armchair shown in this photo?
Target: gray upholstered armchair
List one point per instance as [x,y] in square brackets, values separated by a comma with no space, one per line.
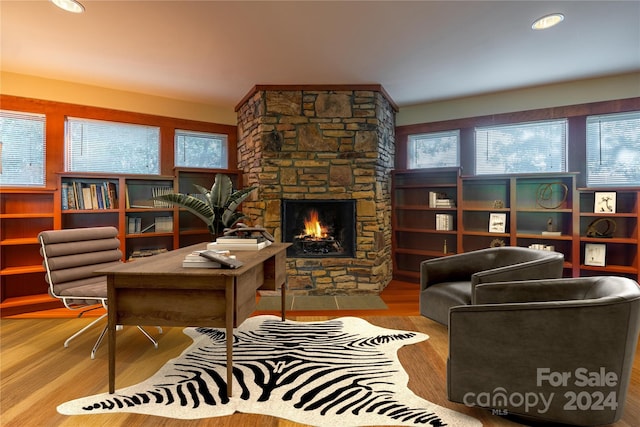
[70,258]
[557,350]
[450,281]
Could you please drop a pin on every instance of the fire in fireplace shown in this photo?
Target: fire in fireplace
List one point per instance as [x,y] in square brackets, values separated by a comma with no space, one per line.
[319,228]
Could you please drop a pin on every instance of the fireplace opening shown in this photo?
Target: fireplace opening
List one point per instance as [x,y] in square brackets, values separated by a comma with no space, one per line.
[319,228]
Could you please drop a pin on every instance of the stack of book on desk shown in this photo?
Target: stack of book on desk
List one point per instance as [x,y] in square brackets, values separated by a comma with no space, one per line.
[235,243]
[194,260]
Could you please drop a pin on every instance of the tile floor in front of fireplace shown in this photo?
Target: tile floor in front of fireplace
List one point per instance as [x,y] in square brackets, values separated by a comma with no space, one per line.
[323,302]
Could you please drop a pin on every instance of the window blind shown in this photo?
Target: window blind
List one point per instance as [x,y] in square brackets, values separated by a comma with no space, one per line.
[613,150]
[200,149]
[434,150]
[533,147]
[111,147]
[22,149]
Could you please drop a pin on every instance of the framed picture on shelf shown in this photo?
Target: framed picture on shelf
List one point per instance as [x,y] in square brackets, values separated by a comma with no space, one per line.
[594,254]
[604,202]
[497,222]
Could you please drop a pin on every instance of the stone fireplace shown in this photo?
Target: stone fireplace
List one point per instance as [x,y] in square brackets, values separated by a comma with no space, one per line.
[311,147]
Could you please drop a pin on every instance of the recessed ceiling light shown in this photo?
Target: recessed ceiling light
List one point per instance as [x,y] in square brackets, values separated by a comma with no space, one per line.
[69,5]
[547,21]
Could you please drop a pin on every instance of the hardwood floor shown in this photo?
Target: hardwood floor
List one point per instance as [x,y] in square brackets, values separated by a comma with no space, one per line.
[37,373]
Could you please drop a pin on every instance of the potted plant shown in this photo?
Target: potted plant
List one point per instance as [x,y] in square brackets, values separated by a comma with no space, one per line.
[216,206]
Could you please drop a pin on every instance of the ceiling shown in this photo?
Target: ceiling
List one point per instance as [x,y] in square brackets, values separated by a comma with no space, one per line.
[214,52]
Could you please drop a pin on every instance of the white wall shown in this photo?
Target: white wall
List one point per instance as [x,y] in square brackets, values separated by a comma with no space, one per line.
[555,95]
[61,91]
[577,92]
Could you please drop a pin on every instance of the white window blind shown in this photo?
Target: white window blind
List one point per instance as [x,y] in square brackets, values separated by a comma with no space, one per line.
[434,150]
[22,149]
[112,147]
[533,147]
[613,150]
[200,150]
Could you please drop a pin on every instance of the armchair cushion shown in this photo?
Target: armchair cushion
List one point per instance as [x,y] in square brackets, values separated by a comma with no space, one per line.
[450,281]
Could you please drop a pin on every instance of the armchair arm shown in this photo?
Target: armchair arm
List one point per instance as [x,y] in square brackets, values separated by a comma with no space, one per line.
[549,267]
[526,291]
[503,346]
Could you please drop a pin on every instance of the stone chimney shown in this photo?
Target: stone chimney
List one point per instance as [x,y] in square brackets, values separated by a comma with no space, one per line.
[316,142]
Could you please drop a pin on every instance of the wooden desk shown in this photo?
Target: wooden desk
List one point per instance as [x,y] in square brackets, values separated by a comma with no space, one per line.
[158,291]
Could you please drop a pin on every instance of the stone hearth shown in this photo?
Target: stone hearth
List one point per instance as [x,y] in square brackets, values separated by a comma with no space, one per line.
[321,143]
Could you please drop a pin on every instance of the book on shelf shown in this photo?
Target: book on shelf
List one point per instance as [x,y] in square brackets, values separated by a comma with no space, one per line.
[112,194]
[87,200]
[94,196]
[143,253]
[238,246]
[444,222]
[64,193]
[163,224]
[551,233]
[440,200]
[134,225]
[241,240]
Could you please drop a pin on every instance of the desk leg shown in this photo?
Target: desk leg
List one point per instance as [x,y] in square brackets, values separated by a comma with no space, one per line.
[111,325]
[283,301]
[229,315]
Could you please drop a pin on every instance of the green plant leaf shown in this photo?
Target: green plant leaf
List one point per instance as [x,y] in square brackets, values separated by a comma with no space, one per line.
[192,204]
[221,190]
[238,197]
[230,218]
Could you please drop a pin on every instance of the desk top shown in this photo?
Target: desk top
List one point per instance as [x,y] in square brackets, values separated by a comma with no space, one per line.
[171,262]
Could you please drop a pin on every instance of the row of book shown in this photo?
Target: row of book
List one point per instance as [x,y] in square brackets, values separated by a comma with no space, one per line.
[161,224]
[444,222]
[235,243]
[88,195]
[440,200]
[146,199]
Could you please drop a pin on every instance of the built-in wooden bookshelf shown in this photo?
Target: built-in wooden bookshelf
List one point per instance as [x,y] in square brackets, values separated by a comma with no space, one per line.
[546,211]
[24,212]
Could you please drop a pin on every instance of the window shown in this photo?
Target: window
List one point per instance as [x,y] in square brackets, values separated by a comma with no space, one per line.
[22,149]
[613,150]
[434,150]
[522,148]
[200,150]
[110,147]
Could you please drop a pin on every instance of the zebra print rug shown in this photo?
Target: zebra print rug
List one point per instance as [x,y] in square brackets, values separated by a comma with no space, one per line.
[341,372]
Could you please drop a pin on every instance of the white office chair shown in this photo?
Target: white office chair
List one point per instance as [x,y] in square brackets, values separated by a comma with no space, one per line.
[71,258]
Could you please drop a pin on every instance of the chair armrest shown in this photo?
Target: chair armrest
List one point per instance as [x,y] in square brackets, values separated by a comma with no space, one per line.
[525,291]
[505,345]
[544,268]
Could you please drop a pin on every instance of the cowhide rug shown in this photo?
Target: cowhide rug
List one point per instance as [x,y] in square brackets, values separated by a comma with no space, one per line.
[341,372]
